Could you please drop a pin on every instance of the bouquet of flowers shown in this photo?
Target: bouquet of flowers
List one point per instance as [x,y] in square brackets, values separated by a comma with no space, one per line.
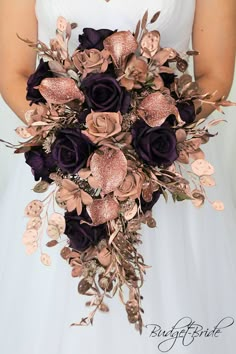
[114,130]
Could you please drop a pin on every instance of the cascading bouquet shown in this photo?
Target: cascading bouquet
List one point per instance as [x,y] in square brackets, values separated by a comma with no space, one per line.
[113,130]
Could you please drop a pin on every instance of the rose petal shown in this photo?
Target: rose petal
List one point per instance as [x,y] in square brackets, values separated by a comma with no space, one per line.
[86,198]
[69,185]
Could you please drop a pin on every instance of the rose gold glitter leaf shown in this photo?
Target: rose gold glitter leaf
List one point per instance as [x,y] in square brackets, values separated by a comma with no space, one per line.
[120,45]
[109,168]
[155,108]
[60,90]
[34,208]
[202,168]
[103,210]
[207,181]
[218,205]
[45,259]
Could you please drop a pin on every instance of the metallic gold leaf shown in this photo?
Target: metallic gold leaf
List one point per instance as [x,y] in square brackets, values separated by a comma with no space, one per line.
[155,17]
[41,187]
[144,20]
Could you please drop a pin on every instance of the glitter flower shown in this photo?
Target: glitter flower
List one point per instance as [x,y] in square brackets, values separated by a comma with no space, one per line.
[74,197]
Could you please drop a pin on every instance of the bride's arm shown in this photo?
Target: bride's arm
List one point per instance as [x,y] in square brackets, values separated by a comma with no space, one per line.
[214,36]
[17,60]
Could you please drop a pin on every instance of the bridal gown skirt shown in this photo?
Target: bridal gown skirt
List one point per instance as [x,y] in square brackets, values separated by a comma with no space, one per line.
[192,254]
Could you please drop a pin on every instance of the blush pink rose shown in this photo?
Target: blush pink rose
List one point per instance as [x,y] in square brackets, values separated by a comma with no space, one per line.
[102,125]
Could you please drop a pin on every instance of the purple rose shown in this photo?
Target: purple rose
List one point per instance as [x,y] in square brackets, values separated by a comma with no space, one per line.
[145,206]
[82,236]
[104,94]
[92,38]
[155,146]
[187,111]
[35,79]
[41,163]
[71,150]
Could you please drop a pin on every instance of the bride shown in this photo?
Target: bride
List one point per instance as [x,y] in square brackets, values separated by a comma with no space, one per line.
[192,252]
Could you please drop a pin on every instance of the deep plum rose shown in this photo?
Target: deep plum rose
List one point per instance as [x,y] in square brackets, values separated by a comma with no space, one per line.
[187,111]
[155,146]
[83,236]
[104,94]
[71,150]
[92,38]
[41,163]
[145,206]
[35,79]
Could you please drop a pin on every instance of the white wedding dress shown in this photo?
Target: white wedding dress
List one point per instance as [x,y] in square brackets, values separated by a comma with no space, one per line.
[192,251]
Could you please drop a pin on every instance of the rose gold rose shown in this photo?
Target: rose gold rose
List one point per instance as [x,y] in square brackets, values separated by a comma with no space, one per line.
[102,125]
[131,186]
[91,61]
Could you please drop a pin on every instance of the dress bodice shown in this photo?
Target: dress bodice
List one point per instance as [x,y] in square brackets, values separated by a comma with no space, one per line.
[175,21]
